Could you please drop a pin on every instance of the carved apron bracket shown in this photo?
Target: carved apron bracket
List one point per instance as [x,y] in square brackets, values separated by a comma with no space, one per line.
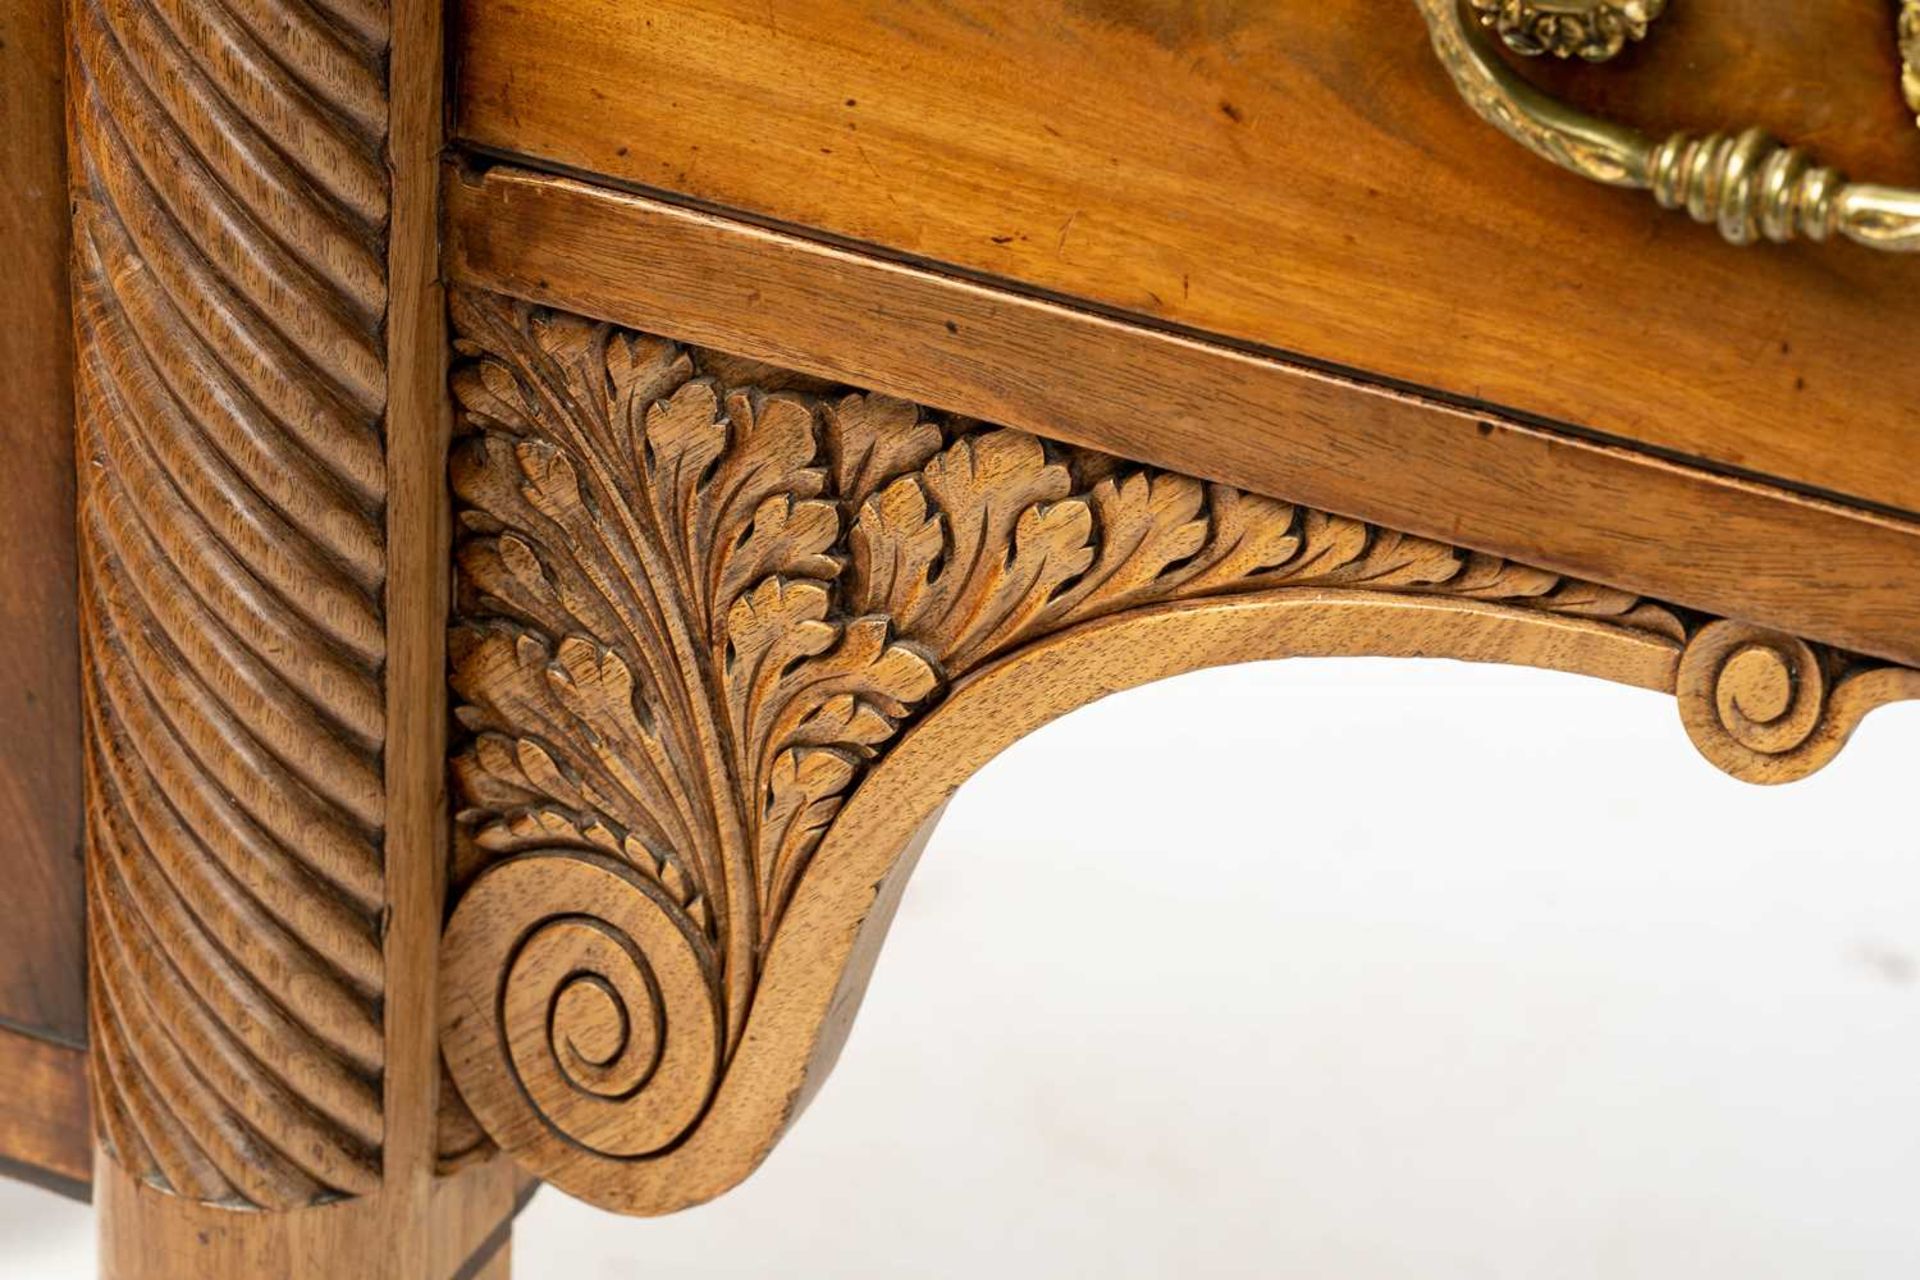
[727,639]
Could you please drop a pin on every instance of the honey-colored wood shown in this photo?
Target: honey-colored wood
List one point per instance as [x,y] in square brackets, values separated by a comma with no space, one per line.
[42,946]
[727,637]
[264,529]
[499,1268]
[147,1234]
[1295,175]
[230,293]
[45,1133]
[1752,552]
[417,587]
[730,628]
[473,1214]
[1771,708]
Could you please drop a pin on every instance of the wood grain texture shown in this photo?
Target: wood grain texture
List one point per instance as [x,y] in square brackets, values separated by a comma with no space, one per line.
[148,1235]
[472,1216]
[46,1134]
[498,1267]
[1753,552]
[231,207]
[1772,708]
[702,605]
[43,947]
[1300,176]
[419,571]
[263,401]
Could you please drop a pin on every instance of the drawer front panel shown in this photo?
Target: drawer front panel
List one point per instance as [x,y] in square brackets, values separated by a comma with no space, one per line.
[1300,177]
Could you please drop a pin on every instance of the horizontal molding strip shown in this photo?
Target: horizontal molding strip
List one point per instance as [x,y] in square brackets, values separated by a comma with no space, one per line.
[1727,546]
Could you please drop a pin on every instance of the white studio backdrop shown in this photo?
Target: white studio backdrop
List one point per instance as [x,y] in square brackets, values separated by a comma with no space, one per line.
[1348,969]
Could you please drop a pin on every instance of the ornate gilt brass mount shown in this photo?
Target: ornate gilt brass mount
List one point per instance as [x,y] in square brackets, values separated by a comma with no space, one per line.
[1910,53]
[1596,30]
[1748,184]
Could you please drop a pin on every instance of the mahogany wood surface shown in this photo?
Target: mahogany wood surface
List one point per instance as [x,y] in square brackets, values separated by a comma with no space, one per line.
[1752,552]
[42,946]
[1300,176]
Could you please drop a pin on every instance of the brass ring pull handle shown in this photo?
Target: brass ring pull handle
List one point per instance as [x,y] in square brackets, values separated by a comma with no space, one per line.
[1750,185]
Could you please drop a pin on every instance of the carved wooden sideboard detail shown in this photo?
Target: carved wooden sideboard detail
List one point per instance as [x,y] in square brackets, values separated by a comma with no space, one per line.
[727,637]
[231,206]
[1768,707]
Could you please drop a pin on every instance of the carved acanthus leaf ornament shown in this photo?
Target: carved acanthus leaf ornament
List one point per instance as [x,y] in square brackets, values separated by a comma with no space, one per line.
[697,599]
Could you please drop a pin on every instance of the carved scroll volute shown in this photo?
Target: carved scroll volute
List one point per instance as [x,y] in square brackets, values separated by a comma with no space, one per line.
[610,1021]
[1771,708]
[665,711]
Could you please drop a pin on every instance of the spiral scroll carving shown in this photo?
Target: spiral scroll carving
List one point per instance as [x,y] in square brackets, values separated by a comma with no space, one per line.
[230,215]
[1770,708]
[698,598]
[607,1005]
